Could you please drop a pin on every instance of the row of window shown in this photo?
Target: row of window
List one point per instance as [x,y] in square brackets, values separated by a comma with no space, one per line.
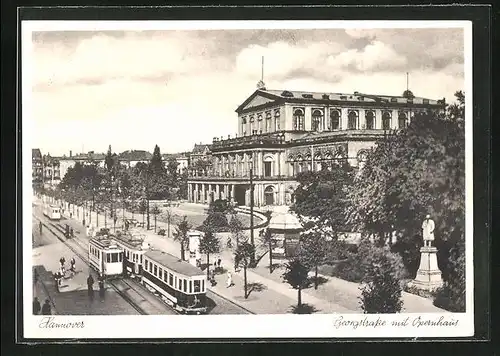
[335,123]
[111,257]
[260,127]
[181,284]
[136,257]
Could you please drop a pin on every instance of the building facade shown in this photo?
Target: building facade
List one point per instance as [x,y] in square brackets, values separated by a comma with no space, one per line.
[36,168]
[182,160]
[66,162]
[51,171]
[282,133]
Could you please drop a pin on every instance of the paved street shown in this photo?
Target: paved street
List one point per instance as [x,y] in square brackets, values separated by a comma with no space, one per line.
[269,294]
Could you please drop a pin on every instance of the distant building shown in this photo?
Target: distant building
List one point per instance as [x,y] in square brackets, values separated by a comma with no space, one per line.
[51,171]
[132,157]
[282,133]
[36,168]
[182,160]
[65,162]
[200,153]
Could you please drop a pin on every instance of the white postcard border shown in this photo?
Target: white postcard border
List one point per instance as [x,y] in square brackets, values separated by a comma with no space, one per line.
[240,326]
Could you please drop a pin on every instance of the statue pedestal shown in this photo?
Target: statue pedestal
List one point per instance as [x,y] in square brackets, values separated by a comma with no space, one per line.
[428,274]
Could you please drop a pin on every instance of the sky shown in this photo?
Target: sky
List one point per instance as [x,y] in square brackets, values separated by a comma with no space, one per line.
[135,89]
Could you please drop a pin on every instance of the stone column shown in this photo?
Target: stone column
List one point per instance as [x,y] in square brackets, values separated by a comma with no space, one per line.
[233,191]
[226,191]
[428,274]
[209,193]
[395,121]
[344,112]
[190,193]
[195,198]
[378,119]
[259,163]
[217,191]
[203,195]
[361,119]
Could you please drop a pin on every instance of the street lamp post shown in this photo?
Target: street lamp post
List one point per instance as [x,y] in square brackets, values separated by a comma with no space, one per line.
[252,257]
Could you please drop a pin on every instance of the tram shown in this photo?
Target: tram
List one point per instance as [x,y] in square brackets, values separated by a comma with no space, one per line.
[179,284]
[53,212]
[106,257]
[134,248]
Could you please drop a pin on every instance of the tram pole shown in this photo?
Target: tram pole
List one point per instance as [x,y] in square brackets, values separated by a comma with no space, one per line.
[252,256]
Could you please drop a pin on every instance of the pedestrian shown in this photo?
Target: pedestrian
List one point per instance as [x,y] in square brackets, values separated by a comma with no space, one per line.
[90,287]
[36,306]
[40,226]
[46,309]
[101,288]
[219,261]
[71,232]
[73,267]
[229,282]
[57,279]
[35,276]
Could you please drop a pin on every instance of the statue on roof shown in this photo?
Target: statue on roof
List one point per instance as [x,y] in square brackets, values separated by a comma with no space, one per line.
[261,85]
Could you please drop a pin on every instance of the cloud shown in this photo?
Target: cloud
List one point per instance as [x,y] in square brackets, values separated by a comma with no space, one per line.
[175,88]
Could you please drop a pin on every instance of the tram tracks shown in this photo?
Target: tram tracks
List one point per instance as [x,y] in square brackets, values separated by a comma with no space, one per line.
[134,298]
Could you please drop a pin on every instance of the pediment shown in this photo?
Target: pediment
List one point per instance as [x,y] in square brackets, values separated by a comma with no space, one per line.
[258,100]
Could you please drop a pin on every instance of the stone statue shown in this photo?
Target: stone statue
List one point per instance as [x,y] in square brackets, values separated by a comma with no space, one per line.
[428,231]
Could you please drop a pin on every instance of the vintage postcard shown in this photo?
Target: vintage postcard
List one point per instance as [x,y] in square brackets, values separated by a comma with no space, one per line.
[237,179]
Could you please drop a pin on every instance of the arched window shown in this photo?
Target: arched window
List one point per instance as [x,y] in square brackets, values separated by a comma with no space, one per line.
[259,120]
[402,121]
[298,120]
[334,120]
[317,119]
[244,126]
[268,121]
[352,122]
[252,125]
[386,120]
[370,120]
[277,120]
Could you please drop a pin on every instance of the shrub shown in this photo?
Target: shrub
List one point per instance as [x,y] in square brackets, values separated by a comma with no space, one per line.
[452,295]
[381,287]
[218,206]
[409,250]
[162,232]
[216,222]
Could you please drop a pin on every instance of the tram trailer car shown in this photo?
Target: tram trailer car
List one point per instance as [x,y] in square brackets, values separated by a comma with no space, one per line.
[180,284]
[133,250]
[106,257]
[53,212]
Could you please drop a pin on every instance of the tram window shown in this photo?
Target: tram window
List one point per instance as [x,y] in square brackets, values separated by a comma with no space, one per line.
[190,286]
[121,256]
[202,285]
[165,276]
[185,285]
[170,279]
[126,254]
[175,282]
[141,258]
[114,257]
[150,266]
[155,270]
[146,265]
[180,284]
[197,286]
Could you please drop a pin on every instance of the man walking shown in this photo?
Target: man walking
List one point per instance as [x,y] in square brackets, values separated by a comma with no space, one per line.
[40,227]
[36,306]
[46,309]
[90,287]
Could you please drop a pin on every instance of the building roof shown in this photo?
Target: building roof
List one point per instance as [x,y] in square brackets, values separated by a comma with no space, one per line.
[305,96]
[174,263]
[284,220]
[181,155]
[200,148]
[135,155]
[87,156]
[36,153]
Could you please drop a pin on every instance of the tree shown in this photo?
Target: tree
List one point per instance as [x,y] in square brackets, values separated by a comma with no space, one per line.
[381,289]
[181,235]
[157,164]
[322,196]
[155,211]
[236,229]
[312,251]
[296,275]
[142,209]
[267,239]
[410,173]
[242,258]
[452,295]
[209,244]
[214,221]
